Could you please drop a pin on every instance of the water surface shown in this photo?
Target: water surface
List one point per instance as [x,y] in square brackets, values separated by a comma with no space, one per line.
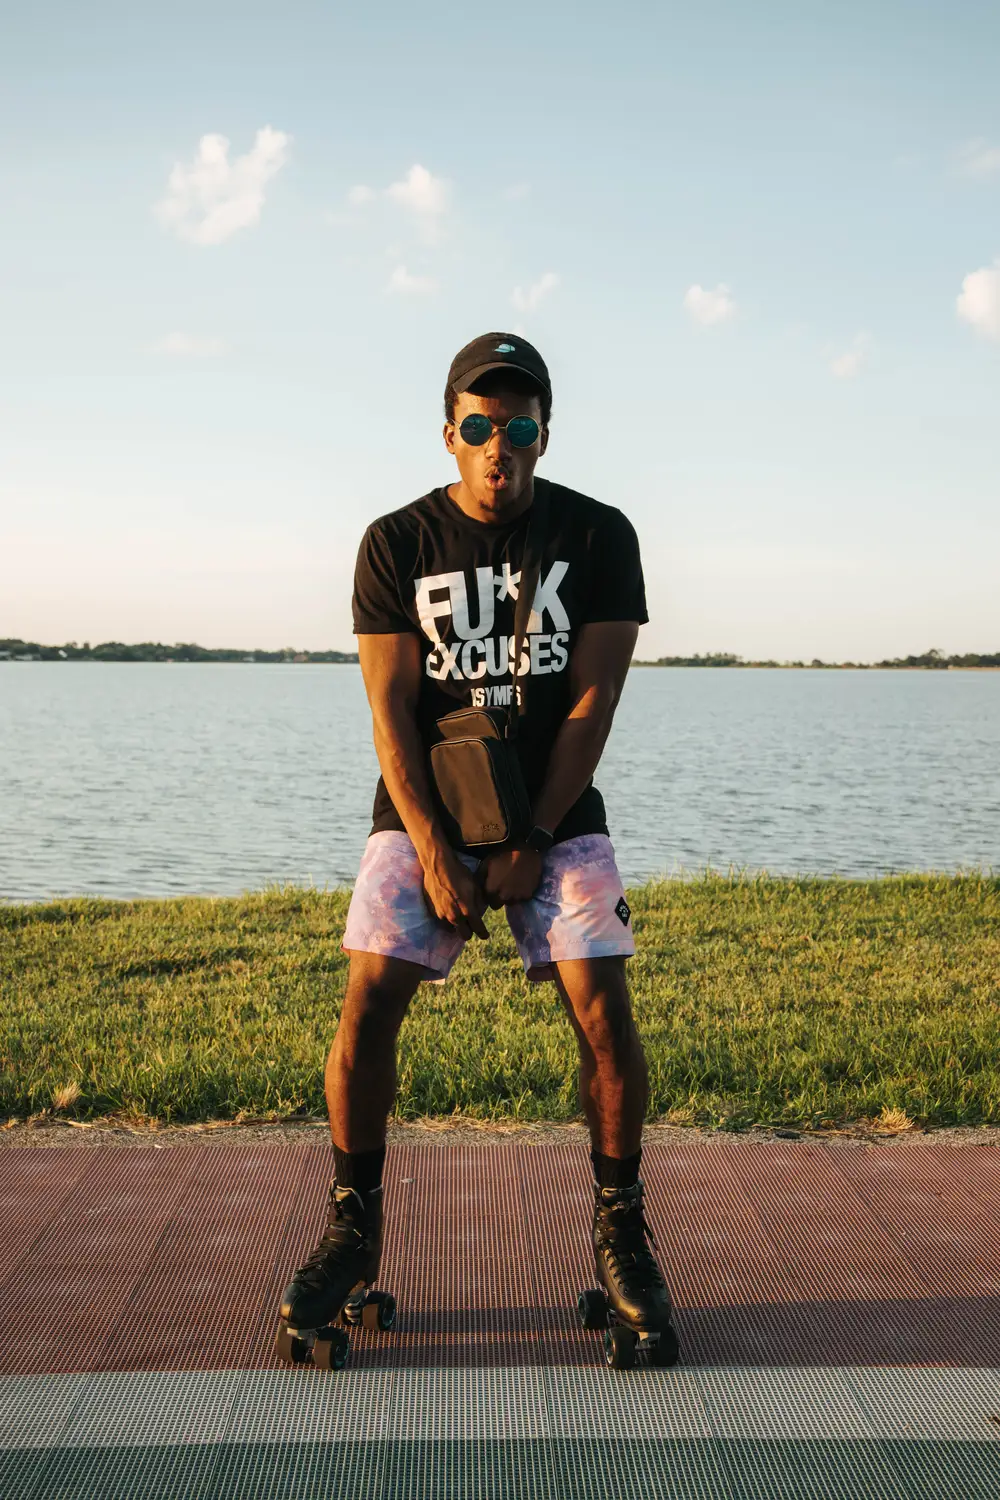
[124,779]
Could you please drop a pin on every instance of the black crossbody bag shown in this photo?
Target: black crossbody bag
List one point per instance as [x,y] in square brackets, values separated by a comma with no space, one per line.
[474,767]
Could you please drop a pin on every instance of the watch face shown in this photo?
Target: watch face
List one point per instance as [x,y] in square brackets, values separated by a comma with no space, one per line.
[540,840]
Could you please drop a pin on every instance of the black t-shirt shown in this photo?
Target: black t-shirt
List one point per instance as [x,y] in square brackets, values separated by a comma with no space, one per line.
[430,569]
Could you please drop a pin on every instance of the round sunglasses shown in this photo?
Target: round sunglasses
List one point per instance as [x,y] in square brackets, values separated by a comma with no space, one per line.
[477,430]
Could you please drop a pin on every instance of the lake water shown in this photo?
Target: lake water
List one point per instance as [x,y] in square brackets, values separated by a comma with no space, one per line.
[149,780]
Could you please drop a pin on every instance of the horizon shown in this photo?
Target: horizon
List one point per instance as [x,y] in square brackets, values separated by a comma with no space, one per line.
[760,253]
[718,660]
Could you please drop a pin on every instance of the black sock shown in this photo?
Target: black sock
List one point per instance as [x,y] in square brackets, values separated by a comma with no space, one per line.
[361,1170]
[616,1171]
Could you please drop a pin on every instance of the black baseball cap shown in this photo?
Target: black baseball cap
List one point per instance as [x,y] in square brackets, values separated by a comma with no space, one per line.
[496,351]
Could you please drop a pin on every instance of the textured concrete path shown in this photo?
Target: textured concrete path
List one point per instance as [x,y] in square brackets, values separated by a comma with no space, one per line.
[839,1314]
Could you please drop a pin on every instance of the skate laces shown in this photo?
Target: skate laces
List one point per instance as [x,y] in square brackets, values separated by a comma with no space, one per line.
[624,1231]
[342,1234]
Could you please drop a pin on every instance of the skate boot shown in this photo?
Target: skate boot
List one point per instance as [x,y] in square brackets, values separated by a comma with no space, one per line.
[632,1303]
[330,1291]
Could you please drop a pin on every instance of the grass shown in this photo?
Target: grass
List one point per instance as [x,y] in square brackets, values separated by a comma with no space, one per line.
[760,1001]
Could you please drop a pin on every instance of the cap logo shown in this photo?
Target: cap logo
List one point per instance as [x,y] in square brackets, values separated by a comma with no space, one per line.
[504,349]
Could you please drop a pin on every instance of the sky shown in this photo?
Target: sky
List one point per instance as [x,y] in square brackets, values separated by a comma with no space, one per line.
[759,247]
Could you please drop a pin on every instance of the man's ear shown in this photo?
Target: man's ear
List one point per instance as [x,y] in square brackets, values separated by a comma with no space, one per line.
[449,436]
[544,442]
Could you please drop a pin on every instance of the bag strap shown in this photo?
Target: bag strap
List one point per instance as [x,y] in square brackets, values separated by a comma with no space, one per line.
[531,567]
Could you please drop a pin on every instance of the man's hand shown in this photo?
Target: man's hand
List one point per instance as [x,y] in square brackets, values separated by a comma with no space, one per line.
[454,894]
[512,876]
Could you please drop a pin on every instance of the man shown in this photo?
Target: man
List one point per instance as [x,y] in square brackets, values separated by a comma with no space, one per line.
[435,590]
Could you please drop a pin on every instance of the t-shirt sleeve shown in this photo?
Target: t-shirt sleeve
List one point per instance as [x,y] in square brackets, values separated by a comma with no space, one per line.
[617,590]
[376,604]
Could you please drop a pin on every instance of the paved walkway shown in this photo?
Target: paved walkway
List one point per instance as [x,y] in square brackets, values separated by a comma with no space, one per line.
[839,1313]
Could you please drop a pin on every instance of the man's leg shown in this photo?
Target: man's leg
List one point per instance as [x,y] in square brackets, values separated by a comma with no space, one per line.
[361,1068]
[614,1090]
[577,930]
[613,1080]
[394,942]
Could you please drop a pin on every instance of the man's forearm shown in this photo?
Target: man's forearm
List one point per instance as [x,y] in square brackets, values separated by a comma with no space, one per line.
[403,762]
[577,749]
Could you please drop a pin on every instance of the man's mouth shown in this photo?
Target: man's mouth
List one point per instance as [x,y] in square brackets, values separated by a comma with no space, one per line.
[497,477]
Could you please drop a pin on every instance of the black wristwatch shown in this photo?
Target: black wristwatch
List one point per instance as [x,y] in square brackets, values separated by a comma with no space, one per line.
[540,839]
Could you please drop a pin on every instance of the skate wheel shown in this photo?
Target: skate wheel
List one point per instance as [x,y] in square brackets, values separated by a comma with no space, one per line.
[592,1309]
[379,1312]
[666,1351]
[289,1348]
[331,1353]
[619,1347]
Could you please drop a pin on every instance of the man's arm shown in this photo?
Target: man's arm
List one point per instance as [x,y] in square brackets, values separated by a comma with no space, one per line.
[391,667]
[597,671]
[597,668]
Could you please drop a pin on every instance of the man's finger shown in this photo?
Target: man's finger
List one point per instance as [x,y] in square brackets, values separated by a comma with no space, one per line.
[477,924]
[429,903]
[442,914]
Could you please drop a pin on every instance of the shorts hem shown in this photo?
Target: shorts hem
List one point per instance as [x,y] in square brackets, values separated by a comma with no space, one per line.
[408,955]
[609,948]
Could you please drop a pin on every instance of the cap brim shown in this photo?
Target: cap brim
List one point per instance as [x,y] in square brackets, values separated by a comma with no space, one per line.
[471,376]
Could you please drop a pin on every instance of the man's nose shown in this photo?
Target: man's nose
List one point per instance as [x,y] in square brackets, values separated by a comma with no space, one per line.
[498,445]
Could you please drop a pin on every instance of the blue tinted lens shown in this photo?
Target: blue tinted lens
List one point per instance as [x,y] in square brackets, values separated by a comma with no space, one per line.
[475,429]
[522,431]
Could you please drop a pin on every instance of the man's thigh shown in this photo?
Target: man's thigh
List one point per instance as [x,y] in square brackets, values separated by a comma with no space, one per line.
[388,915]
[379,991]
[579,910]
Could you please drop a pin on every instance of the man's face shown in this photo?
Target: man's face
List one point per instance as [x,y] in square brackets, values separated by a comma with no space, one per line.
[496,473]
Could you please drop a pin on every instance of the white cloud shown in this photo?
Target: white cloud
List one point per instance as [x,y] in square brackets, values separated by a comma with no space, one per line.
[979,159]
[709,307]
[213,197]
[527,301]
[978,303]
[190,345]
[848,364]
[407,285]
[422,193]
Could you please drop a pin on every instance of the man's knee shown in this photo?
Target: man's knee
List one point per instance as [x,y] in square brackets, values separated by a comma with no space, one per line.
[608,1026]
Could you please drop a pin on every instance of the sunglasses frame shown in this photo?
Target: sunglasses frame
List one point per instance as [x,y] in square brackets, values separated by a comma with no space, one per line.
[495,427]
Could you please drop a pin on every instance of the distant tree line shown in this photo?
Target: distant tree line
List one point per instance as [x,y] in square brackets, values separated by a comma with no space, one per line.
[929,660]
[13,650]
[16,650]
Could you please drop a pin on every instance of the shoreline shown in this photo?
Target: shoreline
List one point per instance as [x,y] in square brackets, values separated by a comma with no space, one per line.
[663,666]
[77,903]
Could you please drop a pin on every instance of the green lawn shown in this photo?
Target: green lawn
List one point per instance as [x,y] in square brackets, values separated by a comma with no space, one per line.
[759,1000]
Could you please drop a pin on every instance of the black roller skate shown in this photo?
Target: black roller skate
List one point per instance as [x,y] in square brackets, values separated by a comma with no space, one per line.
[331,1291]
[632,1303]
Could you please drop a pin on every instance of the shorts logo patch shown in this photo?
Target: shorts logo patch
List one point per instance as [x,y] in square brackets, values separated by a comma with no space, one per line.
[622,911]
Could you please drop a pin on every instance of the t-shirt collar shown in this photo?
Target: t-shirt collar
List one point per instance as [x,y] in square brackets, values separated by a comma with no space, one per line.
[481,528]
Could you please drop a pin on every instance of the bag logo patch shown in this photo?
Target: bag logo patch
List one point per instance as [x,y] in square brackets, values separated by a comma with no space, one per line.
[622,911]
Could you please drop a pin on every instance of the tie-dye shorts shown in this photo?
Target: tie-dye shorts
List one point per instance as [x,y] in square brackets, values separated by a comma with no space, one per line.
[578,911]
